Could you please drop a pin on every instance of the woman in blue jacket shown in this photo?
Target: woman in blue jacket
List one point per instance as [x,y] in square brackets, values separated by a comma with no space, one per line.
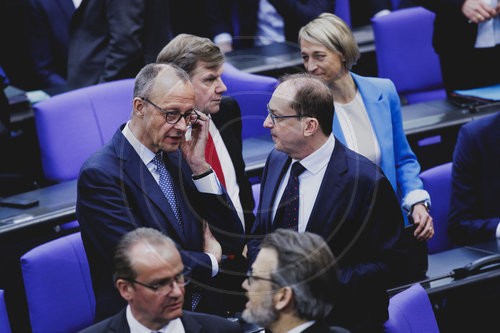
[367,113]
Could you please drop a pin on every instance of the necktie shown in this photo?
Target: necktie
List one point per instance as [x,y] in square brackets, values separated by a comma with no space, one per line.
[167,187]
[213,159]
[287,214]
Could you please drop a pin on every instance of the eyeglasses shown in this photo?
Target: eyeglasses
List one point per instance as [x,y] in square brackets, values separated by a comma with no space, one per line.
[279,117]
[165,286]
[173,117]
[251,278]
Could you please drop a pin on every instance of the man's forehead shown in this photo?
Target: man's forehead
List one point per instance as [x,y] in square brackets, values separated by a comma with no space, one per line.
[266,261]
[285,92]
[161,255]
[202,67]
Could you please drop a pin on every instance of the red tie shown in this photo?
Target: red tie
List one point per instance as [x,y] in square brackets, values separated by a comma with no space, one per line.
[213,159]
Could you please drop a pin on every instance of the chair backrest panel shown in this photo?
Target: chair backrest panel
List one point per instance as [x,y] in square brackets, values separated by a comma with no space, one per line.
[403,40]
[411,311]
[74,125]
[58,286]
[437,181]
[4,318]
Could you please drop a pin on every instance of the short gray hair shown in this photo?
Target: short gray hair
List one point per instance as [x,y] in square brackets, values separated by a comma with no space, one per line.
[330,31]
[306,264]
[123,263]
[187,50]
[146,77]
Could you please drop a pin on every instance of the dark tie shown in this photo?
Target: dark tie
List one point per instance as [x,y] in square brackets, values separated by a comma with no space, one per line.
[287,214]
[167,187]
[213,159]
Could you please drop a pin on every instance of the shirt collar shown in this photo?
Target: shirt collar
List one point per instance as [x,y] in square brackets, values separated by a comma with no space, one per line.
[144,153]
[137,327]
[302,327]
[319,159]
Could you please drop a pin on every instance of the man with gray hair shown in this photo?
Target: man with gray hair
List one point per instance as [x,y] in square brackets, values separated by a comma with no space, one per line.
[142,178]
[150,276]
[292,284]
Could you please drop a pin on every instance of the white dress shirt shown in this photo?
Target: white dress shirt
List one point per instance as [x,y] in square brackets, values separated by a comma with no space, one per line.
[309,181]
[209,184]
[174,326]
[302,327]
[270,25]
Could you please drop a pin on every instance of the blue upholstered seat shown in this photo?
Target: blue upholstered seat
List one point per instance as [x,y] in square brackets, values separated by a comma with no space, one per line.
[58,286]
[410,311]
[403,41]
[4,318]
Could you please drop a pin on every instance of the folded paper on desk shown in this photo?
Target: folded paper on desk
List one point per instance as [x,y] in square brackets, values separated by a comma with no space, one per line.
[487,94]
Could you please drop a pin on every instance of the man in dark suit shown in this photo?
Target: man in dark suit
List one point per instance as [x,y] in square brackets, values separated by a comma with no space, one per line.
[474,210]
[253,19]
[140,178]
[150,276]
[292,284]
[49,39]
[464,64]
[203,61]
[342,196]
[114,39]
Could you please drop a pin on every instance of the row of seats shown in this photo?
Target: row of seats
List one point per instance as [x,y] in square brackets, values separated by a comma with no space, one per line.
[60,296]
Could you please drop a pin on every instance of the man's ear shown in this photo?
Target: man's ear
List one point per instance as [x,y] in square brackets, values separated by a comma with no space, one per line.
[283,298]
[125,288]
[138,105]
[311,126]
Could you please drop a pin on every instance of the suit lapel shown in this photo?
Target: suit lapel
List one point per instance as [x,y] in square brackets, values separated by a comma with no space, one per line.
[191,325]
[330,189]
[135,169]
[119,323]
[67,7]
[272,184]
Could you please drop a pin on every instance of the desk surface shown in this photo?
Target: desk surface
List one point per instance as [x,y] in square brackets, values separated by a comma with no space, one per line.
[283,55]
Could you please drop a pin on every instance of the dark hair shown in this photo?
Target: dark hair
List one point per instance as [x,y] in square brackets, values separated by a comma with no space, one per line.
[312,98]
[306,264]
[146,77]
[123,263]
[186,50]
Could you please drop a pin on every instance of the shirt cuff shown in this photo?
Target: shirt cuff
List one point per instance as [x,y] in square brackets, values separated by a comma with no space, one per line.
[215,264]
[498,230]
[222,38]
[413,197]
[209,184]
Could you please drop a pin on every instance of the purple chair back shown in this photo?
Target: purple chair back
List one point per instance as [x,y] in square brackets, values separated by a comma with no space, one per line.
[405,55]
[410,311]
[343,10]
[437,181]
[252,92]
[58,286]
[74,125]
[4,318]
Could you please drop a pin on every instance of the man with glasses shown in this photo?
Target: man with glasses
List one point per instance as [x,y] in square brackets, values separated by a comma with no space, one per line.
[292,284]
[141,178]
[311,182]
[150,276]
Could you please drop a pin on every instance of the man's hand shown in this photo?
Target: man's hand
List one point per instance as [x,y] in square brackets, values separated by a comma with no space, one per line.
[477,11]
[423,221]
[225,47]
[210,244]
[194,149]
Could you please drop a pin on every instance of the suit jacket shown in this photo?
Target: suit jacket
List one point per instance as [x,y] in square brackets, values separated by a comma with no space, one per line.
[49,39]
[295,13]
[193,323]
[474,207]
[117,193]
[228,122]
[358,214]
[399,163]
[114,39]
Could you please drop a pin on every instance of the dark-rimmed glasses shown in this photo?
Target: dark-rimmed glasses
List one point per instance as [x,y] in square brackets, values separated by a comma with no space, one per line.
[173,117]
[279,117]
[165,286]
[251,278]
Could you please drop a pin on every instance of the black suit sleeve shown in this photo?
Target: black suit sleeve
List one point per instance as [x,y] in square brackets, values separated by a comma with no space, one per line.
[466,224]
